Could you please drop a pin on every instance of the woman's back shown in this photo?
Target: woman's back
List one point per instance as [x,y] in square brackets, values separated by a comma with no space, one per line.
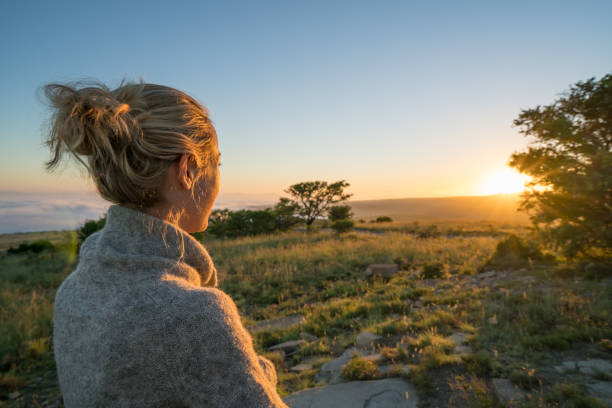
[140,323]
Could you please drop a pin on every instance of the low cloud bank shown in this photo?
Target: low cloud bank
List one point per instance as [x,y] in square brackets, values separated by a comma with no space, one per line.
[30,212]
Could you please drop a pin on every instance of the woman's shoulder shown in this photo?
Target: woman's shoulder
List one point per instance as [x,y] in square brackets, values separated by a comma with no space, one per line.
[203,303]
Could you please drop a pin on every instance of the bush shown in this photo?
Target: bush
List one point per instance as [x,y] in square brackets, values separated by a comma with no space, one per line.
[434,271]
[514,253]
[231,224]
[339,212]
[359,369]
[383,218]
[429,232]
[35,246]
[341,226]
[89,228]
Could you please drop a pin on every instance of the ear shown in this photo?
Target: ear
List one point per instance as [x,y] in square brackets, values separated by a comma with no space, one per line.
[186,175]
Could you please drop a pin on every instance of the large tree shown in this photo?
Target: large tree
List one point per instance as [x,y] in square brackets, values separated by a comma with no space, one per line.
[313,198]
[569,159]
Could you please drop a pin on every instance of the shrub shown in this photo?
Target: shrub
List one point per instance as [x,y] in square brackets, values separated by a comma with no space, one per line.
[231,224]
[35,246]
[359,369]
[514,253]
[433,271]
[339,212]
[383,218]
[341,226]
[429,232]
[89,228]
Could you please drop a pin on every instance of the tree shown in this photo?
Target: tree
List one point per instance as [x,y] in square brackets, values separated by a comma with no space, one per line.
[569,199]
[313,198]
[284,212]
[340,215]
[339,212]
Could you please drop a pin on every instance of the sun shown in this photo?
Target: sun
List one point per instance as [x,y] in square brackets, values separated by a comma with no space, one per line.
[505,181]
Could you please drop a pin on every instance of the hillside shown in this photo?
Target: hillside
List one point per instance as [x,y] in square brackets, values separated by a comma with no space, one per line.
[500,207]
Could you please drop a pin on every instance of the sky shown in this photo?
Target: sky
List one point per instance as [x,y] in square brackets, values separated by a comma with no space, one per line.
[399,98]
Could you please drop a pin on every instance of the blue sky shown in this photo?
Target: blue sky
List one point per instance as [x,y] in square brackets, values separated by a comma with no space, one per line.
[401,99]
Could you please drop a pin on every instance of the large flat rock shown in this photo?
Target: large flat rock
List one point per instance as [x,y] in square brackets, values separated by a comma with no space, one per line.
[388,393]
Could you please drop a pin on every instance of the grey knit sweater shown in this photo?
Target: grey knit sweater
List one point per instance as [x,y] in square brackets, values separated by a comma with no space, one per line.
[140,323]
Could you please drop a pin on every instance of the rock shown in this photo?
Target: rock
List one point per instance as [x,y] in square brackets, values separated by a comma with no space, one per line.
[566,366]
[308,336]
[366,339]
[300,367]
[287,346]
[375,358]
[493,320]
[418,303]
[330,371]
[487,275]
[14,395]
[601,390]
[594,366]
[383,270]
[387,393]
[277,324]
[458,338]
[506,392]
[463,350]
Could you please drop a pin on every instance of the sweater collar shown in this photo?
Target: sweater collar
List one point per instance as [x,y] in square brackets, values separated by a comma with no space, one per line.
[133,233]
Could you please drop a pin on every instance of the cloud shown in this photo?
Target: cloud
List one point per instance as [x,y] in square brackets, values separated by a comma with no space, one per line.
[26,212]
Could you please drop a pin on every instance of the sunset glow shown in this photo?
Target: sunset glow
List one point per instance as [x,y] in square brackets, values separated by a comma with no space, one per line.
[505,181]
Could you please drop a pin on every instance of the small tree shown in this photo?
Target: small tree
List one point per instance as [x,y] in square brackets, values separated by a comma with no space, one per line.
[284,212]
[339,212]
[340,215]
[313,198]
[88,228]
[570,162]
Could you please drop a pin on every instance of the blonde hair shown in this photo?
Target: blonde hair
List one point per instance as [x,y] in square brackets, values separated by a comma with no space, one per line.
[127,137]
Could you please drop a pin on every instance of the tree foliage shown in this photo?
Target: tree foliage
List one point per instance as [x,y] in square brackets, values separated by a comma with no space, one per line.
[313,198]
[88,228]
[570,161]
[339,212]
[231,224]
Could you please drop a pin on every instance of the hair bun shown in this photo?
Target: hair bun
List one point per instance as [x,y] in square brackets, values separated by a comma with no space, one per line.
[89,120]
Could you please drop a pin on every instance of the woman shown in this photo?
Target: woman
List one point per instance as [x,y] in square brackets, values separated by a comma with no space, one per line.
[140,323]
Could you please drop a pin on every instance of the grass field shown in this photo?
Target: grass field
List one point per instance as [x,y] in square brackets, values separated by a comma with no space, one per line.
[518,323]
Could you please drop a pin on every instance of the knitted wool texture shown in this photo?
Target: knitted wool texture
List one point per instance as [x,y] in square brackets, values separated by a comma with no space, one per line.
[140,323]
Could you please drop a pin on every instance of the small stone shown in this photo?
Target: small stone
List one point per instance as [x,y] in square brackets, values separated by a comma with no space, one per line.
[277,324]
[418,303]
[383,270]
[463,350]
[458,338]
[308,336]
[487,275]
[506,392]
[566,366]
[14,395]
[287,346]
[601,390]
[493,320]
[594,366]
[365,339]
[300,368]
